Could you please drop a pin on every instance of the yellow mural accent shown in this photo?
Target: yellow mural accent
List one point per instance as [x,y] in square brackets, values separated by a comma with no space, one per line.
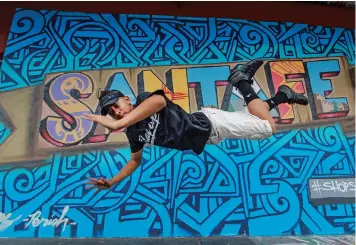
[178,77]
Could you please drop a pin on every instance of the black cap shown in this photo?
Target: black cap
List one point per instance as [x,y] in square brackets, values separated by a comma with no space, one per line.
[110,98]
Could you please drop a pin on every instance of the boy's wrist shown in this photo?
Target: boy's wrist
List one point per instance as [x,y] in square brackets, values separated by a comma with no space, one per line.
[111,183]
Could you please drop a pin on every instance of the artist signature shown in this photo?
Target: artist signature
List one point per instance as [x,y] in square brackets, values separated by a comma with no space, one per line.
[36,220]
[6,222]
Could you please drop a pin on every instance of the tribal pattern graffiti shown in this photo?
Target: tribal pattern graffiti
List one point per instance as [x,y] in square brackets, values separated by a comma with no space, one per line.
[5,130]
[234,188]
[43,41]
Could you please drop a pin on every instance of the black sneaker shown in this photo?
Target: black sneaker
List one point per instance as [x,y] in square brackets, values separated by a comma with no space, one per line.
[244,73]
[293,97]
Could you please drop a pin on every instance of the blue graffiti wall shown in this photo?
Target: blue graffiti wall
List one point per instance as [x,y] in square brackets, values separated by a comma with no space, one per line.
[235,188]
[45,41]
[239,187]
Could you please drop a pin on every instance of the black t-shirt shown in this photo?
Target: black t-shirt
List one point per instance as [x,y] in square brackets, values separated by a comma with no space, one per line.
[172,127]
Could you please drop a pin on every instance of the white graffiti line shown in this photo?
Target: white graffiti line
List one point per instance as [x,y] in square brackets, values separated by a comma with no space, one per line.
[6,222]
[36,220]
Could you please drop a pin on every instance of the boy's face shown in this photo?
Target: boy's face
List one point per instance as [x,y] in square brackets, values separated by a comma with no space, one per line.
[121,108]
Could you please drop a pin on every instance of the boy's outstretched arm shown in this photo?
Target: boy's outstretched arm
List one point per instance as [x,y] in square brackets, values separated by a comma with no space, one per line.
[129,168]
[148,107]
[126,171]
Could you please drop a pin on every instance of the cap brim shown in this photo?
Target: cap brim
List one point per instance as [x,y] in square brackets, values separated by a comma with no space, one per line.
[105,108]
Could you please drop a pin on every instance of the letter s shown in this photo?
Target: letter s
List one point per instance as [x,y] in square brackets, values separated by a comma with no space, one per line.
[62,94]
[328,186]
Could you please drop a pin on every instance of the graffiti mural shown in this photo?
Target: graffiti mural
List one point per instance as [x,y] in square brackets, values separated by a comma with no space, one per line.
[67,96]
[233,188]
[5,128]
[46,41]
[297,182]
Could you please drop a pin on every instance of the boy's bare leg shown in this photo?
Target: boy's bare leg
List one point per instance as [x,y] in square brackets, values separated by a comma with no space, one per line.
[242,80]
[259,108]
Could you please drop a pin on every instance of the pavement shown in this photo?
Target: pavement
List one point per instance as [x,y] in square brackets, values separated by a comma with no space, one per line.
[240,240]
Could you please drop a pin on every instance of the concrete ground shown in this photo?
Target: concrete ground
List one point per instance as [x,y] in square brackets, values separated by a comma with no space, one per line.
[321,240]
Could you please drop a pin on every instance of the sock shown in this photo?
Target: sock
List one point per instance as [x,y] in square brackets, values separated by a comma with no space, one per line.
[278,99]
[247,91]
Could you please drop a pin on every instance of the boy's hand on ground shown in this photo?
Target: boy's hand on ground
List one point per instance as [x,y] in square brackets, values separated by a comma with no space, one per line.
[101,183]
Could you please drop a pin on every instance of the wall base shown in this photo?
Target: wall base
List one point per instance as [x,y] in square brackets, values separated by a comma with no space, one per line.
[242,240]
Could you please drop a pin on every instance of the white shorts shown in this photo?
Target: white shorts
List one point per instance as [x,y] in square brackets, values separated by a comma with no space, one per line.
[236,125]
